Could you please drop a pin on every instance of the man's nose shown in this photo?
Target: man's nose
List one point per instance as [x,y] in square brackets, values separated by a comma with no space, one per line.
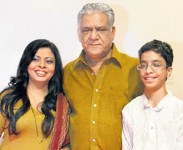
[94,34]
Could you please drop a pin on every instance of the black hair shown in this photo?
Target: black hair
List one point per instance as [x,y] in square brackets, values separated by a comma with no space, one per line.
[17,89]
[162,48]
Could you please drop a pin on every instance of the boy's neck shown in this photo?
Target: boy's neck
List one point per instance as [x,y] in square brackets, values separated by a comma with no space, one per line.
[154,97]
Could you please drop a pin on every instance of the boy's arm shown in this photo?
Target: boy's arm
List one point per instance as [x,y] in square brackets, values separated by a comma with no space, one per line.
[127,131]
[179,139]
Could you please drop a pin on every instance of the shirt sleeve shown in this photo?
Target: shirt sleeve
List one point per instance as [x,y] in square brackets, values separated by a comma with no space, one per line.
[127,131]
[179,139]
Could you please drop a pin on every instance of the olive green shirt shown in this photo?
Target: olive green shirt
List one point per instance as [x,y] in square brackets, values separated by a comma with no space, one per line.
[97,100]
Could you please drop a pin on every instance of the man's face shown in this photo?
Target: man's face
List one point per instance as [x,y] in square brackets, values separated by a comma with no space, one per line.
[96,35]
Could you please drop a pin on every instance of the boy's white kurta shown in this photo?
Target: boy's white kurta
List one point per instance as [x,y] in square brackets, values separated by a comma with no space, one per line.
[158,128]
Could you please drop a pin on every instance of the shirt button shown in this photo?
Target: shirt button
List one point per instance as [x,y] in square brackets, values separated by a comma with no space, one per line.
[94,105]
[93,122]
[94,140]
[96,90]
[93,73]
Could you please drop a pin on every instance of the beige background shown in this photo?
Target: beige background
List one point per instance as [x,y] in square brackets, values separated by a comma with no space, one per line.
[137,22]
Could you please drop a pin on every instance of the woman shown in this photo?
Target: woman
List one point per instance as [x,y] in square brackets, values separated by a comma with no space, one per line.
[29,105]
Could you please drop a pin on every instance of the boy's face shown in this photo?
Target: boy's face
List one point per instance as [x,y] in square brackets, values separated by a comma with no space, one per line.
[156,72]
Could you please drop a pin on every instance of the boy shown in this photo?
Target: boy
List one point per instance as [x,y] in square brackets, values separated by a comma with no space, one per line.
[154,120]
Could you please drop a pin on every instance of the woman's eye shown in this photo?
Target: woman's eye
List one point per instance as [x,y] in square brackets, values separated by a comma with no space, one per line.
[49,61]
[35,58]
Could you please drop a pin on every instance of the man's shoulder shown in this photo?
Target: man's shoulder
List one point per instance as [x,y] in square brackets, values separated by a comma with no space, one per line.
[70,65]
[123,57]
[128,59]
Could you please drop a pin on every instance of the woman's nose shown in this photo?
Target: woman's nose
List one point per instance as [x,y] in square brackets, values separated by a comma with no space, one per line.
[42,64]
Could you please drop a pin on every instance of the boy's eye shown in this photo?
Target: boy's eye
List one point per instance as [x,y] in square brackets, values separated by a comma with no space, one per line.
[143,66]
[157,65]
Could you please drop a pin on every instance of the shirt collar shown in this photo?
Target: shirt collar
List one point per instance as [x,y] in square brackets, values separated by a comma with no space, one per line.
[161,104]
[115,58]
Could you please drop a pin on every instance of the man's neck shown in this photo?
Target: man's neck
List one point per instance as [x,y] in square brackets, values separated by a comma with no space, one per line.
[95,63]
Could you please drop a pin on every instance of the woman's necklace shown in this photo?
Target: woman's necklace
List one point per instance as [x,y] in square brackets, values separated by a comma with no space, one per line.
[40,140]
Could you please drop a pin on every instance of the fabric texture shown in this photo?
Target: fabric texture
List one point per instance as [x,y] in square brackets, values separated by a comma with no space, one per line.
[158,128]
[96,101]
[60,137]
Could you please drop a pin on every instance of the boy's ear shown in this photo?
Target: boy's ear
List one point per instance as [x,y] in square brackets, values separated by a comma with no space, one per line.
[169,72]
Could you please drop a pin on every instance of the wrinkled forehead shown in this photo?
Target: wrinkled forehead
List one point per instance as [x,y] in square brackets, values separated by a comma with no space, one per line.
[94,20]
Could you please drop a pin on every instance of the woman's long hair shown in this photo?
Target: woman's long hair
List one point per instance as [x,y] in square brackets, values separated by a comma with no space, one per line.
[17,89]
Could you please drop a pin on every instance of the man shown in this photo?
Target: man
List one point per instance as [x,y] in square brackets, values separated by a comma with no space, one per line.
[99,83]
[154,120]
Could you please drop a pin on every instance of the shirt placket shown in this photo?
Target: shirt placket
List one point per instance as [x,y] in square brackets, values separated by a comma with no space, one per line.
[94,108]
[151,131]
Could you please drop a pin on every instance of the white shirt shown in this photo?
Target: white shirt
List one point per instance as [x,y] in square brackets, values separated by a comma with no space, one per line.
[158,128]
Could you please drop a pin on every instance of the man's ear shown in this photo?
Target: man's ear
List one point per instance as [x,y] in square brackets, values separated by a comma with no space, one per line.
[113,32]
[79,34]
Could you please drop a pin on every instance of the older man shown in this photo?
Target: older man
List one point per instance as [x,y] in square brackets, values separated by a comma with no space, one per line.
[99,83]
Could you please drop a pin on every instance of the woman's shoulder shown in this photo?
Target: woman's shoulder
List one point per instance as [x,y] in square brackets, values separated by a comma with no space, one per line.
[5,92]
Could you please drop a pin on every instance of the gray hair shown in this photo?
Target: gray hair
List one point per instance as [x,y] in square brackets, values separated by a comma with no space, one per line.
[90,8]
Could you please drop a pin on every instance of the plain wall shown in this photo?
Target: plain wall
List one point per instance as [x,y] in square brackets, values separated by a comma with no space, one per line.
[137,22]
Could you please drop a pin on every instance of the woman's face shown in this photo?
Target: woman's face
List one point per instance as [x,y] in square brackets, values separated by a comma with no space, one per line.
[42,67]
